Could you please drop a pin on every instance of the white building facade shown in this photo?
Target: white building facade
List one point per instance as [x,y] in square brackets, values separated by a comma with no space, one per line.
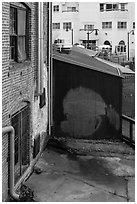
[95,23]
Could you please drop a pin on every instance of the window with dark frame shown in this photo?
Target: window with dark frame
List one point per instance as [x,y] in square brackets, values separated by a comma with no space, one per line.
[122,25]
[56,26]
[101,7]
[71,9]
[121,48]
[67,25]
[133,25]
[89,27]
[18,34]
[20,122]
[108,7]
[56,8]
[106,25]
[115,7]
[123,6]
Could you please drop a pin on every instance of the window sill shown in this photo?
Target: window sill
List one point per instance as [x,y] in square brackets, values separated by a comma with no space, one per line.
[19,65]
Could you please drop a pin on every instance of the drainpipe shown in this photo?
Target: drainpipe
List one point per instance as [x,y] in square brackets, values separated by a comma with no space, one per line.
[41,47]
[13,188]
[38,82]
[49,65]
[11,131]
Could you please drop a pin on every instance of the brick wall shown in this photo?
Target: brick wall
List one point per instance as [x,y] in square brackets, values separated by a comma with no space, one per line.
[19,82]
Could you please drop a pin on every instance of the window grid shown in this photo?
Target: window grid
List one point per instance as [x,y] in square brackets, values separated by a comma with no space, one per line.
[56,26]
[106,25]
[67,25]
[122,25]
[56,8]
[18,17]
[112,7]
[89,27]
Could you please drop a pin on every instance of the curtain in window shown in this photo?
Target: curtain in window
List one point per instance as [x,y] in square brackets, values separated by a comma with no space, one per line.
[21,48]
[21,35]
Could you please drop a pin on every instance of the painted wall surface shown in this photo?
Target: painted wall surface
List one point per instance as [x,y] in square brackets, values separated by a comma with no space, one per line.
[87,103]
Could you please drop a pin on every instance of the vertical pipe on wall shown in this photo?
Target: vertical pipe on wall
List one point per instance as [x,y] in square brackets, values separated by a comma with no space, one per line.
[11,131]
[41,47]
[39,62]
[49,64]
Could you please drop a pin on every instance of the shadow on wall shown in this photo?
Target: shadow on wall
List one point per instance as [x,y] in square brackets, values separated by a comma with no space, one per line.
[87,115]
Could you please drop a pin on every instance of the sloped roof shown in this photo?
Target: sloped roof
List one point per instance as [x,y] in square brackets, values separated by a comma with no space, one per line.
[124,70]
[83,59]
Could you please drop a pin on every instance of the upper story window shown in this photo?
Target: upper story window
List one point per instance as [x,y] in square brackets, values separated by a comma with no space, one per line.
[56,26]
[56,8]
[18,30]
[101,7]
[109,7]
[106,25]
[133,25]
[67,25]
[122,25]
[113,6]
[71,9]
[88,27]
[123,6]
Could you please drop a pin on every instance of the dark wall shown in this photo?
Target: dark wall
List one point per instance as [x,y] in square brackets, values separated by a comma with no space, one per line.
[87,103]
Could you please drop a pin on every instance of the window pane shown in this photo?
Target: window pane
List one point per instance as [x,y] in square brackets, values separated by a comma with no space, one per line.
[115,7]
[67,25]
[13,20]
[21,22]
[21,48]
[123,7]
[13,47]
[109,7]
[101,7]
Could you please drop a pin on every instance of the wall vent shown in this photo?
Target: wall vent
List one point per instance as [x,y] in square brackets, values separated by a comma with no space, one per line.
[36,148]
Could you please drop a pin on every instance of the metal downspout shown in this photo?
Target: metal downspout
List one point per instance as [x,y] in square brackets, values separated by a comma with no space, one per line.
[41,47]
[39,62]
[10,130]
[49,63]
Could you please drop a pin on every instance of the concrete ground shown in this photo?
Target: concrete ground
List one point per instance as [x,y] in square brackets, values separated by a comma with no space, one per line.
[66,177]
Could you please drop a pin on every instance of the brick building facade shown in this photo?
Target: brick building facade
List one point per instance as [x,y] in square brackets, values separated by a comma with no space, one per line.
[23,106]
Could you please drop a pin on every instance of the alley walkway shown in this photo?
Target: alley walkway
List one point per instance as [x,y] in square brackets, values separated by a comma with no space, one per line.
[67,177]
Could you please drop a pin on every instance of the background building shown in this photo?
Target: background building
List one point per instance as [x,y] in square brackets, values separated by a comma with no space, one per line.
[112,24]
[24,85]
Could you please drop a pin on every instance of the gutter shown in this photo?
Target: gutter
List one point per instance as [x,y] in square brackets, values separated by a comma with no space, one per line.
[11,131]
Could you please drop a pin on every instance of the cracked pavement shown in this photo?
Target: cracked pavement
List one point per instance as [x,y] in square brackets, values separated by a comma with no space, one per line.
[77,178]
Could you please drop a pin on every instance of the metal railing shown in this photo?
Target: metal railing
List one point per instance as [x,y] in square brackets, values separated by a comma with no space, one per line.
[128,131]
